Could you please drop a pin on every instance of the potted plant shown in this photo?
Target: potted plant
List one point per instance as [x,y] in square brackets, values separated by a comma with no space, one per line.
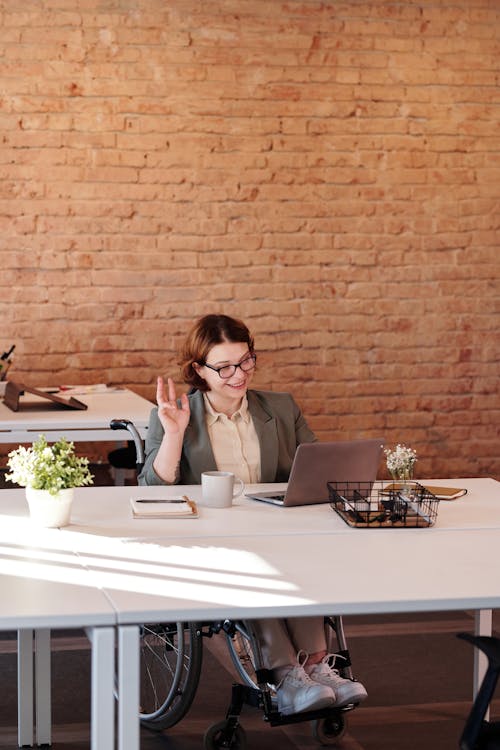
[49,474]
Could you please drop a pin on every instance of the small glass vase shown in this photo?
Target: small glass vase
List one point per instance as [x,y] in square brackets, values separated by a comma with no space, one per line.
[49,511]
[405,481]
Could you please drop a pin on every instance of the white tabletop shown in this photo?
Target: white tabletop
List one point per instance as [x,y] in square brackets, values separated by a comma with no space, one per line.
[255,560]
[249,561]
[378,572]
[258,560]
[43,583]
[79,425]
[99,511]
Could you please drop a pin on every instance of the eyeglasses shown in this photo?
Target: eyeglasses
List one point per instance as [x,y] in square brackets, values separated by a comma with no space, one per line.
[227,371]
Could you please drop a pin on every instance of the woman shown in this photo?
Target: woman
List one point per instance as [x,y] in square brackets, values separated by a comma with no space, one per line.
[222,425]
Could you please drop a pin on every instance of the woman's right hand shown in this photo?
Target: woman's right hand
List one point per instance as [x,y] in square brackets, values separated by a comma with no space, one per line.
[174,419]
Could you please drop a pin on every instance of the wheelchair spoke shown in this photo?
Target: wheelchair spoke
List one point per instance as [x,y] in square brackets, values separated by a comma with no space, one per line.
[170,666]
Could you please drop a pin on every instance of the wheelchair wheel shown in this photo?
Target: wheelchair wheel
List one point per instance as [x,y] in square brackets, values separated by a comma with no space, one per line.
[240,651]
[170,665]
[330,730]
[214,738]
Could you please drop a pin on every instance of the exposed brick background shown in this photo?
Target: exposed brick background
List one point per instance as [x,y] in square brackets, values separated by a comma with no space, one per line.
[328,171]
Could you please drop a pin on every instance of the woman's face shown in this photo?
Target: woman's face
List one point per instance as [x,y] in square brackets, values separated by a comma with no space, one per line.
[227,353]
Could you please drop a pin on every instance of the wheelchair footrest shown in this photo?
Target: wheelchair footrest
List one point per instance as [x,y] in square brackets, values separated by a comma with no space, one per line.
[243,694]
[275,718]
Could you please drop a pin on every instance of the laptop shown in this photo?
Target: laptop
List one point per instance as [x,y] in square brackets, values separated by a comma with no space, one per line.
[315,464]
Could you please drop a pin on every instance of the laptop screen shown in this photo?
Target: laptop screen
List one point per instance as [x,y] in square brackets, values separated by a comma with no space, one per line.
[316,464]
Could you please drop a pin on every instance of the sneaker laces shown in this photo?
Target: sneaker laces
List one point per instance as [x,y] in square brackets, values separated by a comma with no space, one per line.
[298,669]
[330,660]
[302,657]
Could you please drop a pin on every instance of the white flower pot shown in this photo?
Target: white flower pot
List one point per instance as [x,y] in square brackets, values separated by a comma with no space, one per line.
[49,511]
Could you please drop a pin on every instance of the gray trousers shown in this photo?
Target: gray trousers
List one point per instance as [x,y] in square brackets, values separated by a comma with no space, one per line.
[280,640]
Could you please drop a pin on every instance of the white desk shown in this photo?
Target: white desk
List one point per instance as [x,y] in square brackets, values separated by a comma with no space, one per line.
[99,511]
[42,586]
[91,424]
[249,577]
[244,563]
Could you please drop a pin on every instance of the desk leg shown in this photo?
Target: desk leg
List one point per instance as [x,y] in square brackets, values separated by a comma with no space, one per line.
[43,719]
[35,674]
[483,626]
[102,707]
[128,687]
[25,687]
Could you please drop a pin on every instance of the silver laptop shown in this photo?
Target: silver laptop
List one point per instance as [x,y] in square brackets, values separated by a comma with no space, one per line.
[316,464]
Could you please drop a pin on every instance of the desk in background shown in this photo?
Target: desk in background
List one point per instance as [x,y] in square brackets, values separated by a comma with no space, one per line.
[91,424]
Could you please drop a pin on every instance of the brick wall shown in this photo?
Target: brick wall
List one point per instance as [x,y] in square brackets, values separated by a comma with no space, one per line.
[328,171]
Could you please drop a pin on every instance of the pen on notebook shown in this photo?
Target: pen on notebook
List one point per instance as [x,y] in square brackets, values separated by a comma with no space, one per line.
[162,500]
[190,502]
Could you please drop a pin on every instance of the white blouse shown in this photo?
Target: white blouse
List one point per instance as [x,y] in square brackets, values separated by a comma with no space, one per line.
[235,444]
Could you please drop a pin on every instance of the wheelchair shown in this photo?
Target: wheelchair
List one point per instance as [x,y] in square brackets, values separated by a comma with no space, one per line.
[170,665]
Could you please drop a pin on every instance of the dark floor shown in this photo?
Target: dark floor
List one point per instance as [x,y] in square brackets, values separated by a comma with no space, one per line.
[417,673]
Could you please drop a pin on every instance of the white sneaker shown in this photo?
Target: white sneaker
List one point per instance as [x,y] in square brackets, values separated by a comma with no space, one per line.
[346,691]
[297,692]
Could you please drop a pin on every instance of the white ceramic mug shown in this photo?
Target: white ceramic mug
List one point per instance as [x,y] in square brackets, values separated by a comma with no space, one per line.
[218,488]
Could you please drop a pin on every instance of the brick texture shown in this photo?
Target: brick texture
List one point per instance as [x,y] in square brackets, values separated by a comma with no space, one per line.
[329,171]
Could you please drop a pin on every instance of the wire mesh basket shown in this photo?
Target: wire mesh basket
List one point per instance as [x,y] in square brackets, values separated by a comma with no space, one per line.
[368,505]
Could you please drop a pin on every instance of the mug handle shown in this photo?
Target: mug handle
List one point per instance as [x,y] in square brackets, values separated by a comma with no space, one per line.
[237,491]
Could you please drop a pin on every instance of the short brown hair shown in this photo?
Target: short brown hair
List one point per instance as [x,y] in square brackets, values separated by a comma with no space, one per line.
[206,333]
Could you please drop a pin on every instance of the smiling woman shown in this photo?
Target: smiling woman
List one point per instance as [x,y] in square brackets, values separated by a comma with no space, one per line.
[223,425]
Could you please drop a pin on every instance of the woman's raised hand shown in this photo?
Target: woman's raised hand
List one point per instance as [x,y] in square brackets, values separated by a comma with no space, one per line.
[174,418]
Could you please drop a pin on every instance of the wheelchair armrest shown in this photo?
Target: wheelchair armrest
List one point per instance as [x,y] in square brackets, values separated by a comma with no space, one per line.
[126,424]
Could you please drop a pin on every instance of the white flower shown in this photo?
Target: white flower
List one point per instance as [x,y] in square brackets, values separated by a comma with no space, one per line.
[48,468]
[401,461]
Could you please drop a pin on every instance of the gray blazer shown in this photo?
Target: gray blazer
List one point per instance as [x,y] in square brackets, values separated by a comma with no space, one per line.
[279,424]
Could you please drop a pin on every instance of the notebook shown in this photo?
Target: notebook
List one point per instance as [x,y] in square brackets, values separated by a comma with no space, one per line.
[172,507]
[443,493]
[315,464]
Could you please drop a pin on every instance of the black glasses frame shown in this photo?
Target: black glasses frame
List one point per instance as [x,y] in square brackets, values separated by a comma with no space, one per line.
[218,370]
